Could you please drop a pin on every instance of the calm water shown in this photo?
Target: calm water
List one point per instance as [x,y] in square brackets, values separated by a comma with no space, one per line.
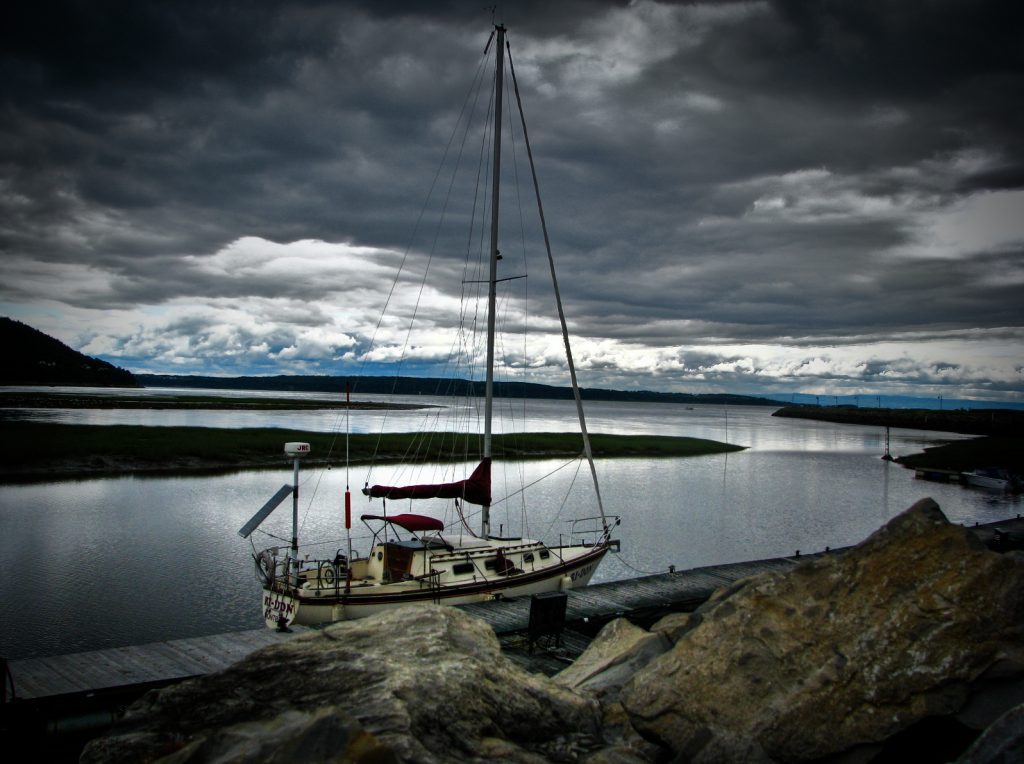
[101,563]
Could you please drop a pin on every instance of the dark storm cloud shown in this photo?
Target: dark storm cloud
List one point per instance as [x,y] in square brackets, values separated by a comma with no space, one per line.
[241,118]
[781,172]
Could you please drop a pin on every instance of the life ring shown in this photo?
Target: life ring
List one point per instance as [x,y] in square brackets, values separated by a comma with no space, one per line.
[265,566]
[328,575]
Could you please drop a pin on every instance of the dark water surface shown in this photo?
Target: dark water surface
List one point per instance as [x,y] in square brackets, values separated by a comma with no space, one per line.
[107,562]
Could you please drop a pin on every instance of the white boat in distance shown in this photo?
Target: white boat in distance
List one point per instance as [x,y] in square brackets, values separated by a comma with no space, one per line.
[432,562]
[993,478]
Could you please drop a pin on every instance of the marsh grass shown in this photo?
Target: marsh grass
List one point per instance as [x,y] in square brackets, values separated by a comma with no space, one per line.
[33,450]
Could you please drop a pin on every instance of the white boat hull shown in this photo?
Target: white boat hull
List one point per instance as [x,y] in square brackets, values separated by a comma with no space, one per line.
[284,605]
[986,479]
[980,481]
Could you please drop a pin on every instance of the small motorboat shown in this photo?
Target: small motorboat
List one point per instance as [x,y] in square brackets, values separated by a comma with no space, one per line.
[992,478]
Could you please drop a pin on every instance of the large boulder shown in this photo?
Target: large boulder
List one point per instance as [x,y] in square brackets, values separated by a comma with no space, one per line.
[838,655]
[424,684]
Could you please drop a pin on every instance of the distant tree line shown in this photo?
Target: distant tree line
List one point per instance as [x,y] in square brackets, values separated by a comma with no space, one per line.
[374,385]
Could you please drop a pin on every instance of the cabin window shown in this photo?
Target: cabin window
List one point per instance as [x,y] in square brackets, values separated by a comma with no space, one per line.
[544,554]
[461,568]
[528,557]
[501,565]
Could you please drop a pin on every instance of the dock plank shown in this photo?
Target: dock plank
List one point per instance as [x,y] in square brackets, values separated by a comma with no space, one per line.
[136,664]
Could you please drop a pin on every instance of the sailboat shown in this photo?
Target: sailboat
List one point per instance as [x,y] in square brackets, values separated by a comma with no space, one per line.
[414,557]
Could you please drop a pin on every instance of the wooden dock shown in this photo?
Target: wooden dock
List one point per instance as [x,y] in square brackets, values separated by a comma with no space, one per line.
[139,665]
[936,475]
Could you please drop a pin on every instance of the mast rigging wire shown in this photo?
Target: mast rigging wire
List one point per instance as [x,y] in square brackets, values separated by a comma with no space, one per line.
[558,301]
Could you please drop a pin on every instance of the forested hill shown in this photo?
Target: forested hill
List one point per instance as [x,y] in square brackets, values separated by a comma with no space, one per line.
[34,358]
[435,386]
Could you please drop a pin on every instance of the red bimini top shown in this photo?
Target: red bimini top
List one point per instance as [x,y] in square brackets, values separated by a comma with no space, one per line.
[409,522]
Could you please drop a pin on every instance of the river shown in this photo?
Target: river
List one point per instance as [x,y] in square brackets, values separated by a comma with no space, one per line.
[90,564]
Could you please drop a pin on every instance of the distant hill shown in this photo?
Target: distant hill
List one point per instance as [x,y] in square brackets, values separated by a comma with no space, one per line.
[435,386]
[34,358]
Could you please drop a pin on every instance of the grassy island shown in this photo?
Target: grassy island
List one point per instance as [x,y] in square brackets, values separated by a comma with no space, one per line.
[995,422]
[1002,446]
[964,455]
[34,451]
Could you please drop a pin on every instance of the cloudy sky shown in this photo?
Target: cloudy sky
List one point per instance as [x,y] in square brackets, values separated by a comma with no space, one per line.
[759,197]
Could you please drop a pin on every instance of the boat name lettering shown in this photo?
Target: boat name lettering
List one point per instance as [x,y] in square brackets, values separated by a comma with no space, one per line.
[585,570]
[271,605]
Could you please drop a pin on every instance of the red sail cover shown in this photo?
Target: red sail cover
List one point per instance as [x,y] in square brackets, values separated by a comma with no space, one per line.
[476,489]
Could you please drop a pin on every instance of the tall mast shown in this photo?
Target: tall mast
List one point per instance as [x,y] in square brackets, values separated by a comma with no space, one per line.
[485,515]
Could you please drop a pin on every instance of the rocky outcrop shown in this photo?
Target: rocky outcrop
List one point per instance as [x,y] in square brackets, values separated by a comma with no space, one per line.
[842,653]
[424,684]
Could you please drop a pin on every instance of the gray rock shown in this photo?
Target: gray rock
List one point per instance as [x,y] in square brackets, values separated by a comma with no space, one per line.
[840,653]
[624,742]
[675,625]
[424,684]
[318,736]
[619,651]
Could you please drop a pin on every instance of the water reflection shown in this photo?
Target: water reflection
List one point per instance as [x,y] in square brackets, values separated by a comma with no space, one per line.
[98,563]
